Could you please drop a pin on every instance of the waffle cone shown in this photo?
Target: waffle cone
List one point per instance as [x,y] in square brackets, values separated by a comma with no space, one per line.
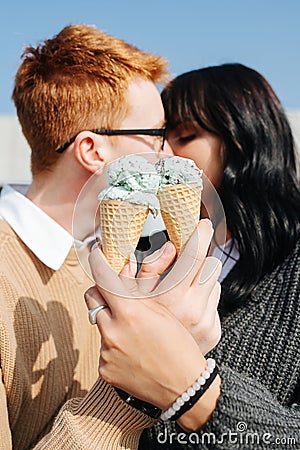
[121,226]
[180,210]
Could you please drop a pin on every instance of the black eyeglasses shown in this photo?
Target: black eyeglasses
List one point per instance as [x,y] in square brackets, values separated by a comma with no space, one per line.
[160,132]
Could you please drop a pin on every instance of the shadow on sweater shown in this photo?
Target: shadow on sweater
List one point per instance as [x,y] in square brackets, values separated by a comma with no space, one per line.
[44,368]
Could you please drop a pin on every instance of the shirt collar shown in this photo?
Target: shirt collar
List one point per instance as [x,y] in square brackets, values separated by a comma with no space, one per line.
[49,241]
[229,255]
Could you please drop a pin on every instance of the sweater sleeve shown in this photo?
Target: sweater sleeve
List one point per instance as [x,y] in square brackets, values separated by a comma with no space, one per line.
[247,416]
[100,420]
[5,434]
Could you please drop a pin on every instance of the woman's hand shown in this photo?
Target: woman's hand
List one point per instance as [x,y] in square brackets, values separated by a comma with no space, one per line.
[195,300]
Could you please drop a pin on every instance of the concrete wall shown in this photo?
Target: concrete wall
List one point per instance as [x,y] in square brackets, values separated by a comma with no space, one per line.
[15,152]
[294,118]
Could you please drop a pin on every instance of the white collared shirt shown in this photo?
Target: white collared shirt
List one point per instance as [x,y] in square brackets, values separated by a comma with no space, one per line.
[229,255]
[49,241]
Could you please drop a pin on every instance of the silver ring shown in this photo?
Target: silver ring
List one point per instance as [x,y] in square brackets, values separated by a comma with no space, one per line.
[93,313]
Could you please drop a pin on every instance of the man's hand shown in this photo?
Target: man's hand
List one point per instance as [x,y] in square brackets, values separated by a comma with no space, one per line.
[195,299]
[190,291]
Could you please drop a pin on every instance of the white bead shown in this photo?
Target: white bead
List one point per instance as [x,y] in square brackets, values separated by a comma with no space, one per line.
[179,401]
[205,374]
[211,363]
[201,381]
[175,406]
[191,392]
[196,386]
[171,411]
[185,397]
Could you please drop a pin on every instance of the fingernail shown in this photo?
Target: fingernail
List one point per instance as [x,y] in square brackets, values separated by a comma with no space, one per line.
[168,248]
[207,221]
[132,264]
[208,269]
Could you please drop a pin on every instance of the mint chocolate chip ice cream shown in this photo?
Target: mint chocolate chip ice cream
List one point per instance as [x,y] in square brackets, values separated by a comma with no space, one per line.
[176,170]
[133,179]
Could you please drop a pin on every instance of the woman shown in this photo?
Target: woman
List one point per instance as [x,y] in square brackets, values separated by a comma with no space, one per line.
[229,120]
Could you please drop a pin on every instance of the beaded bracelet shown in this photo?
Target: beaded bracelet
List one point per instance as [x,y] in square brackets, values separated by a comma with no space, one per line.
[190,397]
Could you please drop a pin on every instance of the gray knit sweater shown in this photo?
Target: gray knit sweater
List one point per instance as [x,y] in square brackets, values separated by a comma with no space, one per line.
[259,361]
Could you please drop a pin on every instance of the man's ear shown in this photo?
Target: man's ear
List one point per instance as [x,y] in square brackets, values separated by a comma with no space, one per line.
[88,150]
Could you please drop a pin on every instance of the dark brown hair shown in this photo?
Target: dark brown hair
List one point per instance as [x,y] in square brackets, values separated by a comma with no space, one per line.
[260,190]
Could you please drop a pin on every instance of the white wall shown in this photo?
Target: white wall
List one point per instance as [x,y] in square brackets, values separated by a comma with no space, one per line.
[294,118]
[15,152]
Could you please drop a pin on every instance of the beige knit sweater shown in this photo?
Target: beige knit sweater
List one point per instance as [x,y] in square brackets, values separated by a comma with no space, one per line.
[50,394]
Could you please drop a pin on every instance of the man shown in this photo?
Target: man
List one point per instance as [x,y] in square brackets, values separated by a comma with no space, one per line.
[66,90]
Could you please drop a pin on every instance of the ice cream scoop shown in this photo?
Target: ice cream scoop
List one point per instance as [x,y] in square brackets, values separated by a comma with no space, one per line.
[133,173]
[133,179]
[176,170]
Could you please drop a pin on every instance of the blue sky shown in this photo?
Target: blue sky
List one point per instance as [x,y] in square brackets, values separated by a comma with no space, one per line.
[263,34]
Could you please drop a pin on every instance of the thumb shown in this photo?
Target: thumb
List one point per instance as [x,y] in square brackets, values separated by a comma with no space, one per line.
[155,265]
[127,276]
